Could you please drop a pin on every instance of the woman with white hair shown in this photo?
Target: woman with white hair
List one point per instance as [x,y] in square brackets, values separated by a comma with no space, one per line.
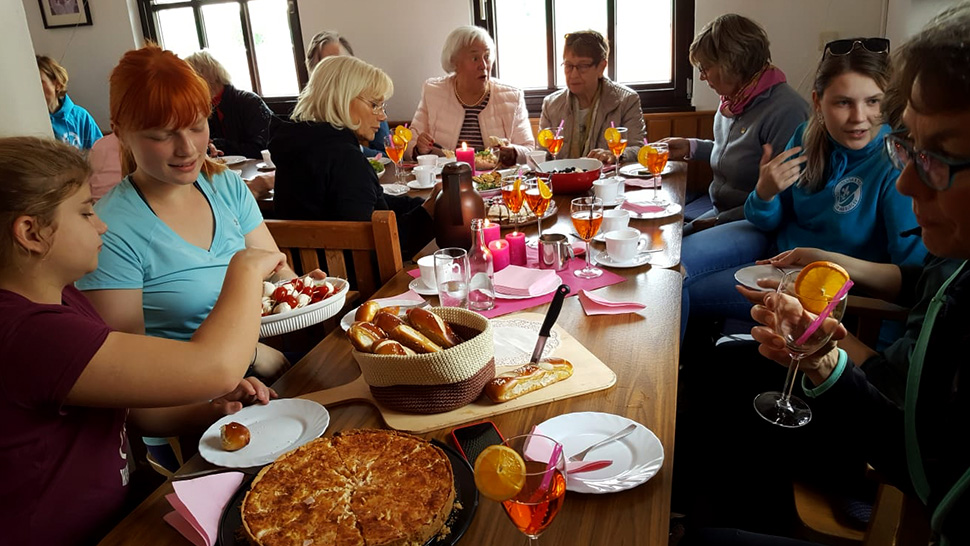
[469,106]
[321,173]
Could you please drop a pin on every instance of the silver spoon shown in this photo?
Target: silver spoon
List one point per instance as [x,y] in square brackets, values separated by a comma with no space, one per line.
[612,438]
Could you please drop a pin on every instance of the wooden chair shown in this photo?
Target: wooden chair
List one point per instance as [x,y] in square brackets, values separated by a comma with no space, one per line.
[897,518]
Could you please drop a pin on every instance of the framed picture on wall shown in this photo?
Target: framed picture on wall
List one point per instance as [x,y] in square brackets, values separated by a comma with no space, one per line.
[65,13]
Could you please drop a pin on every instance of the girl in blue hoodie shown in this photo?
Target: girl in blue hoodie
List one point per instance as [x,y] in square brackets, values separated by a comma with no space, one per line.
[71,123]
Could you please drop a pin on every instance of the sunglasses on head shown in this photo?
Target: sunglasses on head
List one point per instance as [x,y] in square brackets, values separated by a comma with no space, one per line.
[844,47]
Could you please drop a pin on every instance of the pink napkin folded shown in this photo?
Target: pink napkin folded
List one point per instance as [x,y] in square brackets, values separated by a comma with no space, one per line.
[539,449]
[410,295]
[640,182]
[641,208]
[516,280]
[598,305]
[199,504]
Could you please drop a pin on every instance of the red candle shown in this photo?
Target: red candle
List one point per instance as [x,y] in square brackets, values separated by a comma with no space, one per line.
[466,155]
[493,232]
[516,242]
[500,254]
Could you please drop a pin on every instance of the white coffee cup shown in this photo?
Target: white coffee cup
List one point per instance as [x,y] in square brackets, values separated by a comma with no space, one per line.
[623,245]
[428,159]
[267,160]
[424,174]
[606,189]
[426,265]
[614,219]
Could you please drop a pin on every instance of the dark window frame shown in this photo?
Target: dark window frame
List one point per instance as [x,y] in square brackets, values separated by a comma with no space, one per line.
[673,96]
[147,9]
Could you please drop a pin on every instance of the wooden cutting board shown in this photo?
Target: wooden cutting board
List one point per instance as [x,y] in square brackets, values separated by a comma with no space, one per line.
[590,374]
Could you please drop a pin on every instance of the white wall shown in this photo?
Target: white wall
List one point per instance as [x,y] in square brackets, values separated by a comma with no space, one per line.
[907,17]
[24,112]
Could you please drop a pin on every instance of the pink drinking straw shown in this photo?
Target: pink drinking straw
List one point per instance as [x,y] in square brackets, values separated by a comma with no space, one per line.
[559,129]
[547,477]
[825,313]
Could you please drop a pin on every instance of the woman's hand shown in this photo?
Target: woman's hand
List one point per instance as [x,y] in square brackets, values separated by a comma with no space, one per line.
[430,201]
[605,156]
[249,391]
[757,297]
[677,147]
[800,256]
[269,362]
[424,143]
[778,174]
[266,262]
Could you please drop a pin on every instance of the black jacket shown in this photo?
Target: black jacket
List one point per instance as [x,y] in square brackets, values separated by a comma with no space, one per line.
[243,127]
[321,174]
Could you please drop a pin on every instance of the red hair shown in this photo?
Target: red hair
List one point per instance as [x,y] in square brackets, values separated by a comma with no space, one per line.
[151,88]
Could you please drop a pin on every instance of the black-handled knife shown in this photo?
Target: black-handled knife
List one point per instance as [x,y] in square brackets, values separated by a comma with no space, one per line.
[551,315]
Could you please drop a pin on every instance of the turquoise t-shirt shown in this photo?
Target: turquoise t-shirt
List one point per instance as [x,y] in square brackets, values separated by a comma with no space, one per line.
[180,282]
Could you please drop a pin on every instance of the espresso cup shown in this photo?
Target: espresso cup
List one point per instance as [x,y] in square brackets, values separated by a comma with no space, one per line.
[614,219]
[623,245]
[606,189]
[428,159]
[424,174]
[426,266]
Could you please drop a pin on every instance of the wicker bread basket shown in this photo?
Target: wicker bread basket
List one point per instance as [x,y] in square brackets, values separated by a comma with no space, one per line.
[435,382]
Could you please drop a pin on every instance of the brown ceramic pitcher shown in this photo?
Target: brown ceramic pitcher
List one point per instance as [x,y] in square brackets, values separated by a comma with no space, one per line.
[457,204]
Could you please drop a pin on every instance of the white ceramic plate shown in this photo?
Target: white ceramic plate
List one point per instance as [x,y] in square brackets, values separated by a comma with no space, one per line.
[315,313]
[233,159]
[348,318]
[418,286]
[670,210]
[394,189]
[502,296]
[515,339]
[636,170]
[413,184]
[748,276]
[605,259]
[636,458]
[275,428]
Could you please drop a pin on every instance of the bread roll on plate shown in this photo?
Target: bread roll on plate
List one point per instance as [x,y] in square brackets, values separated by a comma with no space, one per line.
[528,378]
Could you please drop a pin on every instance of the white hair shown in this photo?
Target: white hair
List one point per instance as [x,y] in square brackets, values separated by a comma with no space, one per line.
[461,38]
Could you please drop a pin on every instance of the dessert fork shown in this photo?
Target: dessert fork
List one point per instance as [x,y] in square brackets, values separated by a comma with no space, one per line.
[612,438]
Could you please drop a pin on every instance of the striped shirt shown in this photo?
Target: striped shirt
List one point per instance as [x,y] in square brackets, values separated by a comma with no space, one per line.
[471,131]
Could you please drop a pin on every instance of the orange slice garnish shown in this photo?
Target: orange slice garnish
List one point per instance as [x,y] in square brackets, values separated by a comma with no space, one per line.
[544,191]
[404,133]
[544,137]
[817,284]
[499,473]
[398,141]
[612,135]
[644,154]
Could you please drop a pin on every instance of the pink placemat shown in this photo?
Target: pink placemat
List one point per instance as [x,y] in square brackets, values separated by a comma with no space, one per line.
[504,307]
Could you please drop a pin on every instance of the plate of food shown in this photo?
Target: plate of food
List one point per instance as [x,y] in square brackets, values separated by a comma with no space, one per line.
[636,170]
[258,434]
[446,528]
[300,302]
[379,165]
[499,213]
[231,159]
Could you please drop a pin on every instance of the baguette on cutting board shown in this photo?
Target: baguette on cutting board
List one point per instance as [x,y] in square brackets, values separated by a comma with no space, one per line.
[528,378]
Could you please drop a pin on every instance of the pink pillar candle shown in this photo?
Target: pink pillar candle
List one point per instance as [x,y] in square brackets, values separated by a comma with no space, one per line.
[493,232]
[516,242]
[466,155]
[500,254]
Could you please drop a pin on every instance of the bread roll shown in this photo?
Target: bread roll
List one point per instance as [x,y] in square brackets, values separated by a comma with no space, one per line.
[409,337]
[528,378]
[363,335]
[234,436]
[390,347]
[433,326]
[387,321]
[366,312]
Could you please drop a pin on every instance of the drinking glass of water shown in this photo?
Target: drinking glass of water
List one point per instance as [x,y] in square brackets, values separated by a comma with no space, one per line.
[452,275]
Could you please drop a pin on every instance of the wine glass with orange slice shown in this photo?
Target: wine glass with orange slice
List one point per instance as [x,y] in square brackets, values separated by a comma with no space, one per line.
[394,146]
[808,306]
[587,216]
[513,195]
[527,474]
[654,158]
[616,140]
[538,195]
[551,139]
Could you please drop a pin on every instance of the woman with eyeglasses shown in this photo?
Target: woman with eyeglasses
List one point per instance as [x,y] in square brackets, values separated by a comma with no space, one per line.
[469,106]
[591,102]
[321,173]
[758,107]
[918,443]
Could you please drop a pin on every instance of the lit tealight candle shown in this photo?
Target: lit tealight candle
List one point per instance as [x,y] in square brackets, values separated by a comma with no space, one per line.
[516,242]
[500,254]
[466,154]
[493,231]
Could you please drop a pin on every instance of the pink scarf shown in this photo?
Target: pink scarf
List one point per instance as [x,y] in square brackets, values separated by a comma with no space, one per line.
[768,77]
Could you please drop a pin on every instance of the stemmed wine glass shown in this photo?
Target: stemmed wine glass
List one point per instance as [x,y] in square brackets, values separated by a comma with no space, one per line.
[654,158]
[794,316]
[394,147]
[513,194]
[587,216]
[538,195]
[616,140]
[551,139]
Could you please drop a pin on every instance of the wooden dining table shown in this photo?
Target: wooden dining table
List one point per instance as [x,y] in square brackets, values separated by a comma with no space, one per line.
[641,348]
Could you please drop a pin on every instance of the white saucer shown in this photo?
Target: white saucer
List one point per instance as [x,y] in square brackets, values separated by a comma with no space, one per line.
[604,259]
[233,159]
[418,286]
[413,184]
[391,189]
[748,276]
[670,210]
[618,201]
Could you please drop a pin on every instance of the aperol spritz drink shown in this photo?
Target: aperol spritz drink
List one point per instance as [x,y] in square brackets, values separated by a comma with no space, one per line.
[513,194]
[538,195]
[587,216]
[654,158]
[551,140]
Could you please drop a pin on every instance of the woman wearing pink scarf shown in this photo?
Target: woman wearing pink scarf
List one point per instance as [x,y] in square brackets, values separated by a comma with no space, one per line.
[757,108]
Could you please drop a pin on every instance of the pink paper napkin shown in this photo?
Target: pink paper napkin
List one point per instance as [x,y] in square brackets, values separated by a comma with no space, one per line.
[640,182]
[199,504]
[597,305]
[540,449]
[410,295]
[641,208]
[516,280]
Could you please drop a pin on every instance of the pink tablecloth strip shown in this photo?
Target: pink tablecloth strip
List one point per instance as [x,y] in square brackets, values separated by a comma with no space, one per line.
[504,307]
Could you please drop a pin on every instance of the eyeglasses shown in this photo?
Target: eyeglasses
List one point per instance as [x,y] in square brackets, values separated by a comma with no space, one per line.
[582,67]
[934,170]
[844,47]
[376,108]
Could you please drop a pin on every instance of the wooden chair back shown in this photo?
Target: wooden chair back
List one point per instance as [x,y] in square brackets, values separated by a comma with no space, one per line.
[367,254]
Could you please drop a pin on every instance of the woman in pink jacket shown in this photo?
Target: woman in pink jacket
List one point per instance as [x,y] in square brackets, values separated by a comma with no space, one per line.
[468,105]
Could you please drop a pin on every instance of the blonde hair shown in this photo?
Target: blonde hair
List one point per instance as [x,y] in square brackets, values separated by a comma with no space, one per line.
[55,72]
[461,38]
[208,67]
[38,175]
[734,43]
[335,82]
